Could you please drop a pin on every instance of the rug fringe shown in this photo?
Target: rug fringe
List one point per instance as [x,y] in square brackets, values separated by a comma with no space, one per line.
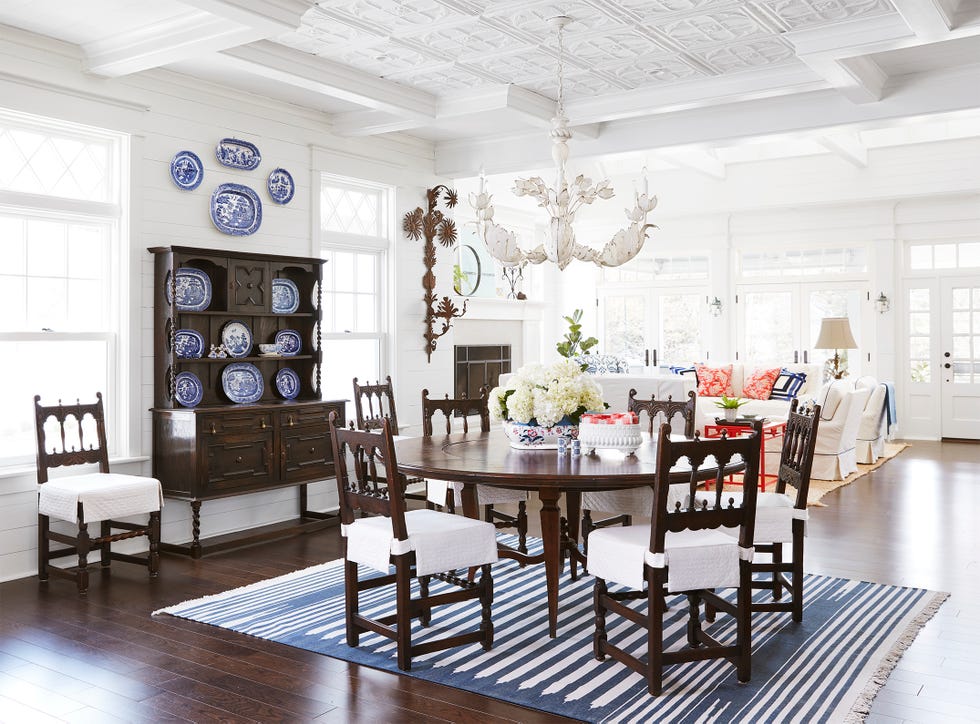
[862,705]
[250,587]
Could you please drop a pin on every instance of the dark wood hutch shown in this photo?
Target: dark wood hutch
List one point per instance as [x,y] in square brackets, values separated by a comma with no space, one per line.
[221,448]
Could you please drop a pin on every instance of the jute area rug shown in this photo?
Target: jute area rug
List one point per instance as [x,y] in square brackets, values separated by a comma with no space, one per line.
[826,669]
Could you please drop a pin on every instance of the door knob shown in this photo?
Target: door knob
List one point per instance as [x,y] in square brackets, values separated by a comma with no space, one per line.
[947,365]
[946,354]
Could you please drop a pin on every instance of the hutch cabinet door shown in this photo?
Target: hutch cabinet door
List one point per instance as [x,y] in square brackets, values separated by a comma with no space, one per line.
[250,287]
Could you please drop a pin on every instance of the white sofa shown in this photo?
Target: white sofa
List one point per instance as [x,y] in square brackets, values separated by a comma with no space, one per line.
[872,428]
[616,387]
[707,411]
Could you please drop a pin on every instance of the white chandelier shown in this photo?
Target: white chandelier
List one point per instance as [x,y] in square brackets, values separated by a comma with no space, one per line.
[562,202]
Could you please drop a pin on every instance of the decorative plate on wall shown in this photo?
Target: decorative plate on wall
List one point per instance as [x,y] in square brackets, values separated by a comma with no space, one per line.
[287,383]
[236,153]
[186,170]
[289,342]
[188,390]
[242,382]
[281,186]
[236,210]
[285,296]
[237,338]
[193,289]
[188,344]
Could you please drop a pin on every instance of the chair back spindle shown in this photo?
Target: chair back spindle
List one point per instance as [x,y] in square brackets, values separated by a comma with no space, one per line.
[796,461]
[660,412]
[373,403]
[450,407]
[71,426]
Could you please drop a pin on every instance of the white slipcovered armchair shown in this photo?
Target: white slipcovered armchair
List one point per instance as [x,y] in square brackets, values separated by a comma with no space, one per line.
[873,428]
[841,407]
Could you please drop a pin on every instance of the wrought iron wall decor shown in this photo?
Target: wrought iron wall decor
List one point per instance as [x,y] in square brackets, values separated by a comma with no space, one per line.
[433,224]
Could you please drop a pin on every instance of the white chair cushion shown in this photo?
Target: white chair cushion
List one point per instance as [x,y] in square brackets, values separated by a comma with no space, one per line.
[489,495]
[441,541]
[695,559]
[774,515]
[102,495]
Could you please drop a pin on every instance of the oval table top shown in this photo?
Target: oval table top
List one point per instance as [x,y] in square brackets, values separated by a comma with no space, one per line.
[488,458]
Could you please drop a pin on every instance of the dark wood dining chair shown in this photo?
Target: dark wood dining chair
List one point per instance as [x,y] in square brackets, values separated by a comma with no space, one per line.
[636,501]
[487,496]
[684,550]
[390,536]
[372,405]
[781,516]
[75,434]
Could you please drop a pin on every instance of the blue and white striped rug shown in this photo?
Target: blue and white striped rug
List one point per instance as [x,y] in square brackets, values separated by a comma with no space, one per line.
[827,668]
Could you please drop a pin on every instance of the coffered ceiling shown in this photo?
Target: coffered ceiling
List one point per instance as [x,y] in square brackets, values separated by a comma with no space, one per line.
[684,78]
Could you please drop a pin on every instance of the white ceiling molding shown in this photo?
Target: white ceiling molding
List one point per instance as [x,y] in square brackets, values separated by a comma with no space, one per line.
[846,145]
[273,16]
[333,79]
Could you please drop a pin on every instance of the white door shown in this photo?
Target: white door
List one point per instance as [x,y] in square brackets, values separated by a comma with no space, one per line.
[960,357]
[654,327]
[779,323]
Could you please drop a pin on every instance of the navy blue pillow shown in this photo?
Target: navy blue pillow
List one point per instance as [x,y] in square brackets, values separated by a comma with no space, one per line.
[677,370]
[788,385]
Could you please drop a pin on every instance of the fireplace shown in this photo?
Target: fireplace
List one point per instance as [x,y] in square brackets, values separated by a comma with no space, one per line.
[478,365]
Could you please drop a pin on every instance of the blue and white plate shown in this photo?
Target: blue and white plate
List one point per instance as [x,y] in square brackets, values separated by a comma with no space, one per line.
[186,170]
[237,338]
[285,296]
[236,153]
[188,344]
[281,186]
[289,342]
[236,210]
[188,389]
[242,382]
[287,383]
[193,289]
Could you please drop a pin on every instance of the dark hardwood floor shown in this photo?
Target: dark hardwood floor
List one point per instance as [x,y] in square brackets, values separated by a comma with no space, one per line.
[105,659]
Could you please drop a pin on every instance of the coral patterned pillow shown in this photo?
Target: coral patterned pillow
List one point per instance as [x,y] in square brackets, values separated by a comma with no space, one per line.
[758,384]
[714,381]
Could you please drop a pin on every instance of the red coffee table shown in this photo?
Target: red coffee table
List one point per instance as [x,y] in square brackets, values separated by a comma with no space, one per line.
[770,430]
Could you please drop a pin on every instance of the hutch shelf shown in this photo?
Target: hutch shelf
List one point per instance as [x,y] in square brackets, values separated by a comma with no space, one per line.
[219,447]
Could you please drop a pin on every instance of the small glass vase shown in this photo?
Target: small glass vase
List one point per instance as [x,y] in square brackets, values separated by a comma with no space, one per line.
[532,436]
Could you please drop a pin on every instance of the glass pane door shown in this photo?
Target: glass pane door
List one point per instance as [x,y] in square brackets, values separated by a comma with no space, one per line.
[823,300]
[768,324]
[625,324]
[960,358]
[680,317]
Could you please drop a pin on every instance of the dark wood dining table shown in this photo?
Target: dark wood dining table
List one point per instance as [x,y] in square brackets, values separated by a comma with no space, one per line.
[486,458]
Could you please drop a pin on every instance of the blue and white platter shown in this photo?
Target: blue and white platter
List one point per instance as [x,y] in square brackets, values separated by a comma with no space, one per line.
[188,344]
[193,289]
[236,210]
[289,342]
[236,153]
[188,389]
[186,170]
[287,383]
[281,186]
[242,382]
[285,296]
[237,338]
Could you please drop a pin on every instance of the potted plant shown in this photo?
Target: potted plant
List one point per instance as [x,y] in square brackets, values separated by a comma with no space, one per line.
[730,405]
[574,344]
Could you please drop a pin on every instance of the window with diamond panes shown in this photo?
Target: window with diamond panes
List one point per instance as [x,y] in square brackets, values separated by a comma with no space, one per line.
[60,214]
[351,210]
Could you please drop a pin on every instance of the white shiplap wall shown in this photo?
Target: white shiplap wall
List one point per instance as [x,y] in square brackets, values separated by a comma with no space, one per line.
[166,112]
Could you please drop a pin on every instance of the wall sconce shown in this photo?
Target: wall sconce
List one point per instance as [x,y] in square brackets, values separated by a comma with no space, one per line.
[714,307]
[882,303]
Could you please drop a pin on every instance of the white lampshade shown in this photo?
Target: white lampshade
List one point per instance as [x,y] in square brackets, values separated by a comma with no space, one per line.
[835,333]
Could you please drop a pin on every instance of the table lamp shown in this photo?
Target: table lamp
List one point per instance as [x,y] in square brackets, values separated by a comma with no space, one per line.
[835,334]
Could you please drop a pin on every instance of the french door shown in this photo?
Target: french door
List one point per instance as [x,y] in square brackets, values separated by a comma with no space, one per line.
[778,323]
[654,326]
[960,356]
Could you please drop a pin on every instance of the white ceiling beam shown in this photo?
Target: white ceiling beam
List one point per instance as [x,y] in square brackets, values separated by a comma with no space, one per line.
[925,94]
[192,34]
[272,16]
[213,26]
[319,75]
[702,161]
[846,145]
[927,18]
[858,79]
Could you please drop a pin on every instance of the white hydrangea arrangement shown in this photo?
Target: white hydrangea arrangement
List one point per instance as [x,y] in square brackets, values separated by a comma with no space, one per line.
[544,394]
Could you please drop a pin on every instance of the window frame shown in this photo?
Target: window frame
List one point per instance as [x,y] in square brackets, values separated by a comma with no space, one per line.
[118,398]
